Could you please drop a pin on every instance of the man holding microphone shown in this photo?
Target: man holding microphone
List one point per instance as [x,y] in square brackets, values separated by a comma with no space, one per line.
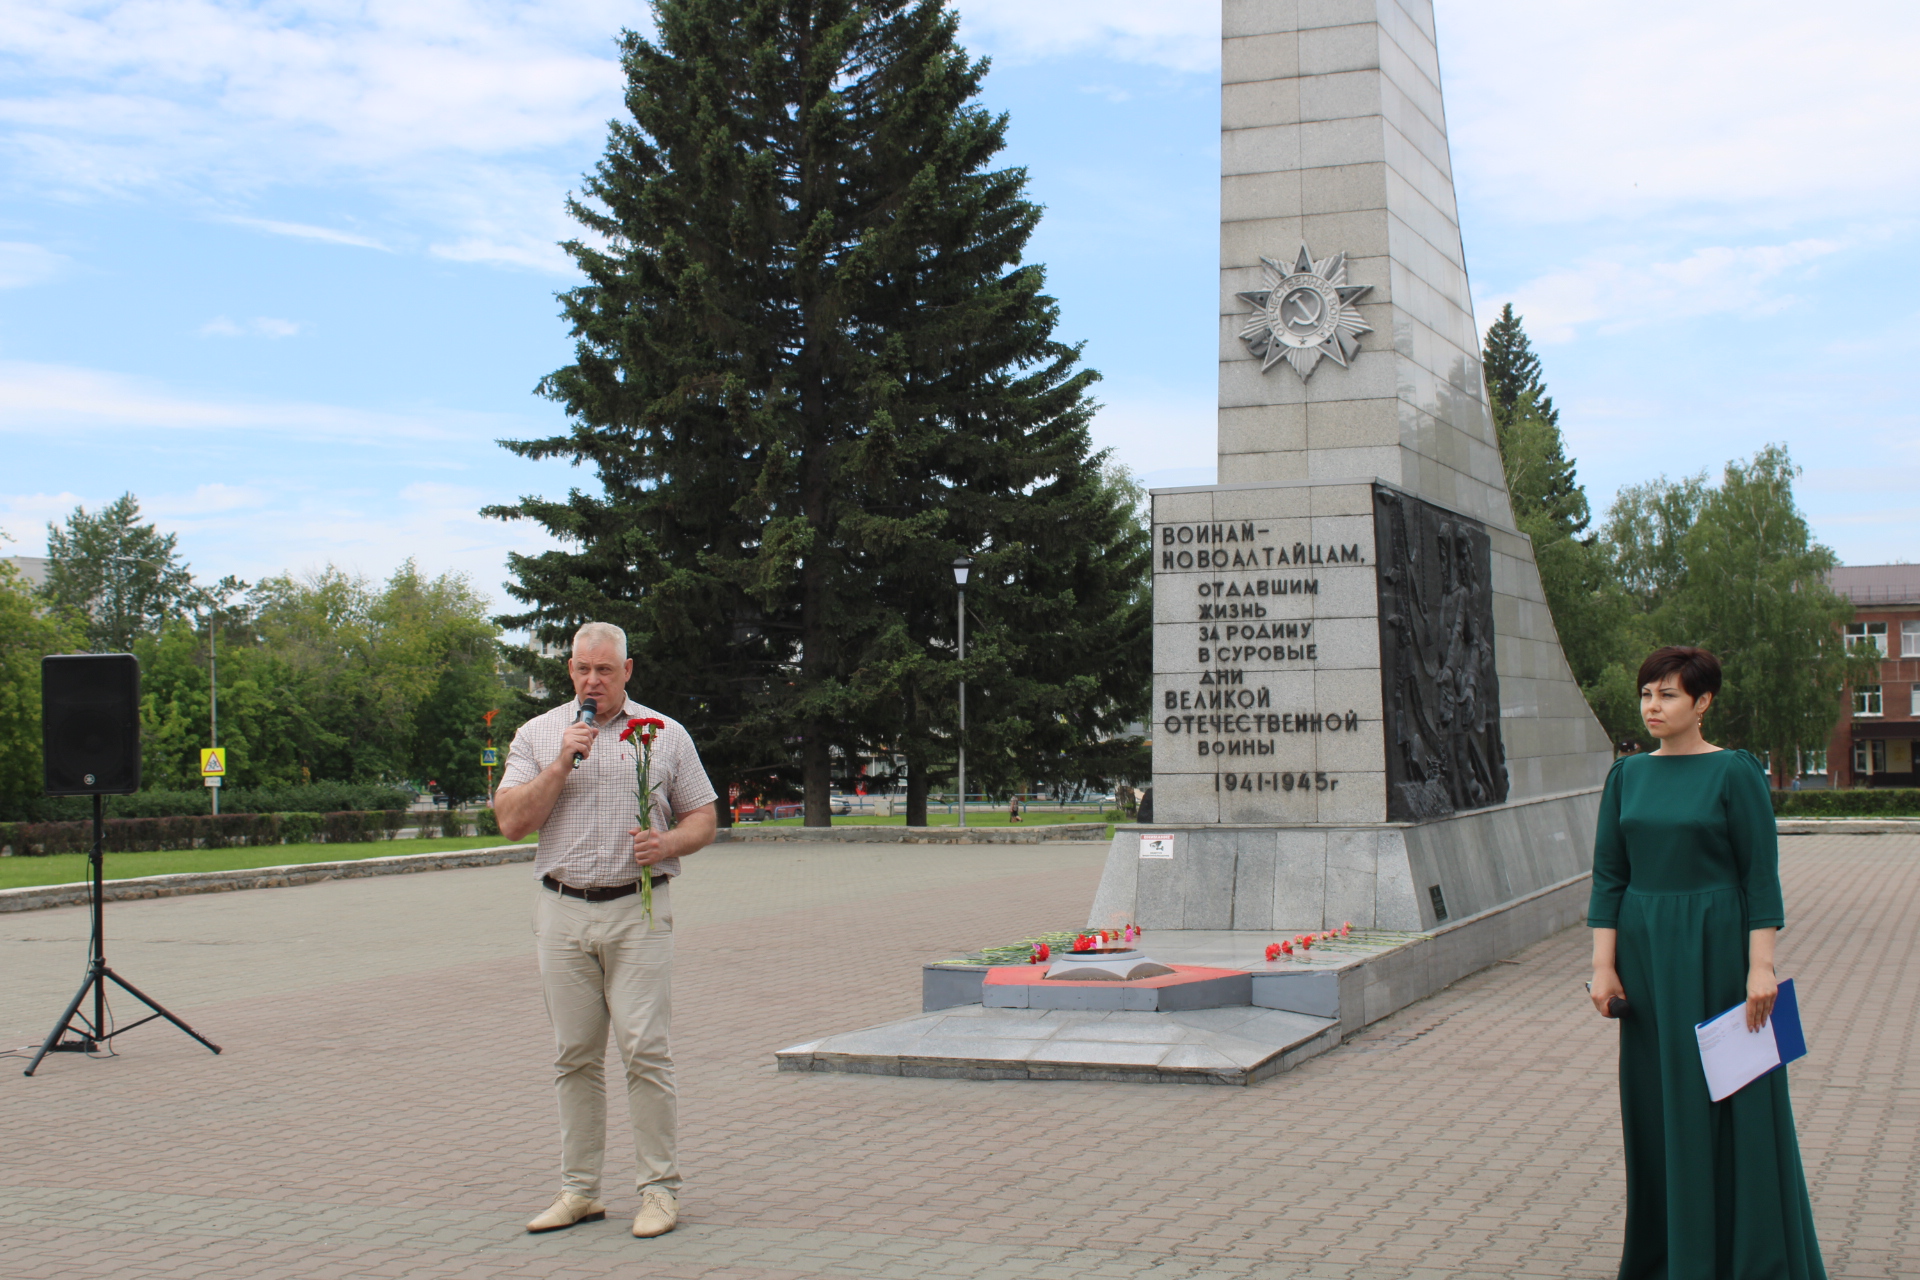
[602,961]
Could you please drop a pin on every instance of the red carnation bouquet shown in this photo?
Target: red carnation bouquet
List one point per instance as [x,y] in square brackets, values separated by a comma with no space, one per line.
[644,731]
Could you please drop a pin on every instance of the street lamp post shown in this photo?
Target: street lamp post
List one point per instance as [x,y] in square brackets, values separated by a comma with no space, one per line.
[961,567]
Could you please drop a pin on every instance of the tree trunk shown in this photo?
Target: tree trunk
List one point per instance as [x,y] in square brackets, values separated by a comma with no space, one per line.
[916,792]
[817,775]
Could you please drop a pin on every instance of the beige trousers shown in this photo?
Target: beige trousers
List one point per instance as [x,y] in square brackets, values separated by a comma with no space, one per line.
[601,966]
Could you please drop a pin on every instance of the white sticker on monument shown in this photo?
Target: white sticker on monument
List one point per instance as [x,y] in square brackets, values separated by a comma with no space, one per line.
[1156,846]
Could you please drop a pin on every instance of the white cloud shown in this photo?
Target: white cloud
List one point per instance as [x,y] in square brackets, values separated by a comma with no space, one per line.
[272,328]
[45,398]
[1769,109]
[1180,35]
[301,231]
[27,264]
[1625,288]
[24,518]
[1156,432]
[434,106]
[370,531]
[220,327]
[206,500]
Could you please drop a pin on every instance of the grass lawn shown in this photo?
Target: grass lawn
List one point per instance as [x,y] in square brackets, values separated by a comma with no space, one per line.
[935,818]
[71,868]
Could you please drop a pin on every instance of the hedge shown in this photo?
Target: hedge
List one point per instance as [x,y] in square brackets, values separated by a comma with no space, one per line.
[318,797]
[206,831]
[1853,802]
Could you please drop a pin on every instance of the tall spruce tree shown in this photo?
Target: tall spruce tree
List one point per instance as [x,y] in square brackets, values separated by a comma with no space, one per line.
[1513,370]
[810,370]
[1590,611]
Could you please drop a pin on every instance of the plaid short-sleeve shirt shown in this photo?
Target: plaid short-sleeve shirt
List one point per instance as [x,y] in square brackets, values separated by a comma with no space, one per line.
[585,842]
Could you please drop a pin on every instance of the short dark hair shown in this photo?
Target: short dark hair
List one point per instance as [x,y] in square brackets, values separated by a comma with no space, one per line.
[1699,671]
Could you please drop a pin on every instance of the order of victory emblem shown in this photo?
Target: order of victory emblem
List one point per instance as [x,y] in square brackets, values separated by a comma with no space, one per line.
[1304,314]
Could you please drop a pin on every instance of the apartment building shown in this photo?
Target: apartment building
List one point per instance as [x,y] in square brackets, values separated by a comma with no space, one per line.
[1876,743]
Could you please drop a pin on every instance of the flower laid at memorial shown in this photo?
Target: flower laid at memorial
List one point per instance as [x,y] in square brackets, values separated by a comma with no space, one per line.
[643,731]
[1106,939]
[1298,946]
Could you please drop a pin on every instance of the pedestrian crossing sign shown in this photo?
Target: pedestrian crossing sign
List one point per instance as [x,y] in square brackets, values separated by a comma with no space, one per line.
[213,762]
[490,757]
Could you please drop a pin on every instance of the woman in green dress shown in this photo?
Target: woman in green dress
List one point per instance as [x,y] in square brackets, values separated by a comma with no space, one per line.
[1686,903]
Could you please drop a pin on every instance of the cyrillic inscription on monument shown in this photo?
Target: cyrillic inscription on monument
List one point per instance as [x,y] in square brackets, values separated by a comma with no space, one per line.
[1266,693]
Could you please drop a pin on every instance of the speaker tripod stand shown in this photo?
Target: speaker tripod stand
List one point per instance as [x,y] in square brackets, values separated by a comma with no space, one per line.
[93,1033]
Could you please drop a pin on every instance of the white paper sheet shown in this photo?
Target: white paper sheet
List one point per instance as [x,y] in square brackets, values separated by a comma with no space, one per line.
[1733,1056]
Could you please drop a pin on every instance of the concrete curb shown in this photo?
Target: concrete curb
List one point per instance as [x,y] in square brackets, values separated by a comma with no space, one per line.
[39,896]
[916,835]
[1848,826]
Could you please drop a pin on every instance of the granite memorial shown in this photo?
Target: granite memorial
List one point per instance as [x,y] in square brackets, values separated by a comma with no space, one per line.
[1361,708]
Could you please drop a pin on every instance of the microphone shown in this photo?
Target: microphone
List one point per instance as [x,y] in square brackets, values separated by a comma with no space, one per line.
[587,708]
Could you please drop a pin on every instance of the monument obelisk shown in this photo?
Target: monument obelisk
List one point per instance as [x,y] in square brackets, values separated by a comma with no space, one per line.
[1361,708]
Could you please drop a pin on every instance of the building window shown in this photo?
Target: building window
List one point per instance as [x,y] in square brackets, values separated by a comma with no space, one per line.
[1869,756]
[1813,762]
[1861,634]
[1913,706]
[1910,638]
[1866,700]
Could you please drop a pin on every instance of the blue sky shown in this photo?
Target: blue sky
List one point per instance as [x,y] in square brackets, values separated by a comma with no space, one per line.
[286,271]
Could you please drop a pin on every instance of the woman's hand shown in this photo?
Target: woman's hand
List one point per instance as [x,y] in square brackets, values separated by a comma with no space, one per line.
[1606,986]
[1762,987]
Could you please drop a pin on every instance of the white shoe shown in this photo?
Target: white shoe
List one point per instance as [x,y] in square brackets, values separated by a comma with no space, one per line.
[659,1210]
[566,1210]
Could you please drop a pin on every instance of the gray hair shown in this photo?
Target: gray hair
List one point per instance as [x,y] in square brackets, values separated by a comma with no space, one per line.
[598,633]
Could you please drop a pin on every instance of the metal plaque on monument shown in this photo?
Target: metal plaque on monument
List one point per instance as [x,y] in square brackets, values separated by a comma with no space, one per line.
[1361,711]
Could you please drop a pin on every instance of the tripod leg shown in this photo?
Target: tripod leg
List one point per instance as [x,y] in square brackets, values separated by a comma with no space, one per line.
[66,1019]
[143,999]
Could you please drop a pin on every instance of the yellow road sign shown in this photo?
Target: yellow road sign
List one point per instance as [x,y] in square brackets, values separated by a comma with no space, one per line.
[213,762]
[489,757]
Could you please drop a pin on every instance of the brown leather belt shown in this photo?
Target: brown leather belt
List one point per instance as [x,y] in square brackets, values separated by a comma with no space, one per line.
[606,894]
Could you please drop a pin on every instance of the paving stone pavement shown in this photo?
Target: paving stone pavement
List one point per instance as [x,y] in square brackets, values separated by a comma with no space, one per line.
[382,1107]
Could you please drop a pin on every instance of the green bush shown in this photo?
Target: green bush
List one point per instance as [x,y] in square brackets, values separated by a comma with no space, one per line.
[1860,802]
[300,828]
[453,824]
[349,826]
[486,823]
[145,835]
[318,797]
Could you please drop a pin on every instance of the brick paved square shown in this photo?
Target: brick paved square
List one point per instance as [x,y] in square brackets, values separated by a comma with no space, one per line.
[382,1107]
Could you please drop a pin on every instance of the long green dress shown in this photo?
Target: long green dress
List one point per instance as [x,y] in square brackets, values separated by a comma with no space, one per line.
[1685,864]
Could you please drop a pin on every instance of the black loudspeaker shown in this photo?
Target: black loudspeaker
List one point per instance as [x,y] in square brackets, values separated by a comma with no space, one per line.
[90,723]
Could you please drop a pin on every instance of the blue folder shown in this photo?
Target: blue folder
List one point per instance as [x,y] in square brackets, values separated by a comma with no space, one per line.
[1792,1042]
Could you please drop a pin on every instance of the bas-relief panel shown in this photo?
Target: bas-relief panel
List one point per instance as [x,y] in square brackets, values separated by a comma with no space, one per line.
[1442,693]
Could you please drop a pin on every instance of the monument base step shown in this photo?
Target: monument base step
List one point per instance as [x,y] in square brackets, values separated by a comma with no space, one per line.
[1296,1010]
[1026,986]
[972,1042]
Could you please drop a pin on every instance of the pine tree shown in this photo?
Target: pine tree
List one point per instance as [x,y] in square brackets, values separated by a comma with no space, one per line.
[1513,370]
[121,577]
[810,370]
